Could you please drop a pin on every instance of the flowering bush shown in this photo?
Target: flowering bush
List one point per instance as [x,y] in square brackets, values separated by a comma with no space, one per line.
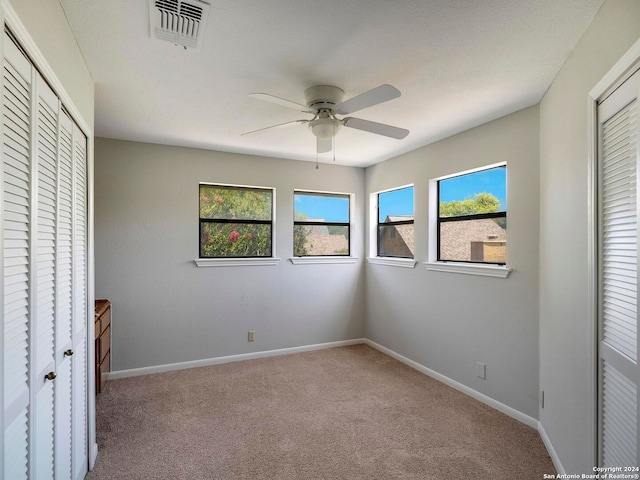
[219,237]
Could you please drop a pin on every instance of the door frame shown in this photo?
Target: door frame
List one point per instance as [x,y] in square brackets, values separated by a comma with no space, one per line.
[10,18]
[615,77]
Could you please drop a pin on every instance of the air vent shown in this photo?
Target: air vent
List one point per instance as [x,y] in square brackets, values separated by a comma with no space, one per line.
[178,21]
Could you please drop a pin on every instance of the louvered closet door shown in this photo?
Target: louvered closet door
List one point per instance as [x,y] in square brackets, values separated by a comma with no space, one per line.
[619,375]
[45,305]
[65,352]
[81,309]
[45,269]
[16,224]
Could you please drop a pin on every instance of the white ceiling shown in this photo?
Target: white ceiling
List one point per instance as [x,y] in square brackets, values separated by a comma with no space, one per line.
[458,64]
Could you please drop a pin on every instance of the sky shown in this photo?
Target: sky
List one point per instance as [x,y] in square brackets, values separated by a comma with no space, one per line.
[400,202]
[395,202]
[329,208]
[492,181]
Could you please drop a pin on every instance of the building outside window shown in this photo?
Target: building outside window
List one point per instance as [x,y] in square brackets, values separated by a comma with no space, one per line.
[235,221]
[472,217]
[321,224]
[395,231]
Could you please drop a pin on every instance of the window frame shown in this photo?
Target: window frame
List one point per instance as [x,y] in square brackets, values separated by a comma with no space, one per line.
[380,224]
[491,269]
[328,224]
[237,260]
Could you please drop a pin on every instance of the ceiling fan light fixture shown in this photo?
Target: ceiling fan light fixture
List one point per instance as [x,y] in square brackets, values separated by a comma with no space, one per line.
[325,127]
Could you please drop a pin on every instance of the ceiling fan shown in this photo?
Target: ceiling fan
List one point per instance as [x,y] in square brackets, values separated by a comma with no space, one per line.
[324,102]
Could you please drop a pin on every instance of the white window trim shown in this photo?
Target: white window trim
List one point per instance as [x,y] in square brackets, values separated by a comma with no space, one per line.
[241,261]
[373,232]
[393,261]
[483,269]
[236,262]
[322,259]
[307,260]
[497,271]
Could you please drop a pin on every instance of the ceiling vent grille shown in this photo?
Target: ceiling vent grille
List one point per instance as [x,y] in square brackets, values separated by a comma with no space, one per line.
[178,21]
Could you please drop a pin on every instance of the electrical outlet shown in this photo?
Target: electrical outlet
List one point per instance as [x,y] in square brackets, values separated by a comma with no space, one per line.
[481,370]
[251,336]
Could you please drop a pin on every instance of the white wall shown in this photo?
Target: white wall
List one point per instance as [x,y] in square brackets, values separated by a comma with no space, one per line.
[167,310]
[566,333]
[448,321]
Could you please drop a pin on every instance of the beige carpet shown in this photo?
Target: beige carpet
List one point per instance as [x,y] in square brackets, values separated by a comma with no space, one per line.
[341,413]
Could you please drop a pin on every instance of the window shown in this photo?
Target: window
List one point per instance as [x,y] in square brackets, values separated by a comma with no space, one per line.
[472,217]
[395,223]
[235,222]
[321,224]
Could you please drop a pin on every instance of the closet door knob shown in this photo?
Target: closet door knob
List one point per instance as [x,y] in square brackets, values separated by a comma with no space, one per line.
[68,353]
[50,376]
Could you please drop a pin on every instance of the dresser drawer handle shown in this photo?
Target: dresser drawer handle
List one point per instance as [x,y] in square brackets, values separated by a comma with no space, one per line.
[68,353]
[50,376]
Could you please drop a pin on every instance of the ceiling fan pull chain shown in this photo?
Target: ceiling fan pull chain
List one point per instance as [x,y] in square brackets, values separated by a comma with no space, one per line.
[333,139]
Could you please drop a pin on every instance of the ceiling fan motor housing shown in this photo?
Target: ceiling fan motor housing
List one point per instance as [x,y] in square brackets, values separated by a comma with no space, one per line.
[323,99]
[323,96]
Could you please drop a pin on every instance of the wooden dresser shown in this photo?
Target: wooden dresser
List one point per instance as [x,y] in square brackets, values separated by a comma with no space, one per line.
[103,342]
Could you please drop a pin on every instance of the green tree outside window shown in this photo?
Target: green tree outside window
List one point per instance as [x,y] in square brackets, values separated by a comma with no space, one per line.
[235,221]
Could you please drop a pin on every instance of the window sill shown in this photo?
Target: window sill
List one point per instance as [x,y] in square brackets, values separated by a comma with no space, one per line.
[497,271]
[393,262]
[236,262]
[328,259]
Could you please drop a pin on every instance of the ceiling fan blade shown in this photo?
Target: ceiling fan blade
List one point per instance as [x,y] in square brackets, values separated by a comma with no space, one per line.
[280,101]
[280,125]
[375,127]
[367,99]
[325,145]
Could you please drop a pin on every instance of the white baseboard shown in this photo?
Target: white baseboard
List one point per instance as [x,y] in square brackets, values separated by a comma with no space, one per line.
[501,407]
[169,367]
[93,455]
[552,452]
